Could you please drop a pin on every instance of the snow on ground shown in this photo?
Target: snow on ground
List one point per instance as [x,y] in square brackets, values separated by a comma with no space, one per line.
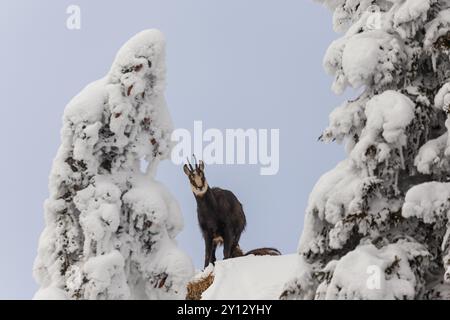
[251,277]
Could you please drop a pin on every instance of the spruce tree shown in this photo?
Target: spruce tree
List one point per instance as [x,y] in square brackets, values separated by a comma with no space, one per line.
[110,228]
[377,225]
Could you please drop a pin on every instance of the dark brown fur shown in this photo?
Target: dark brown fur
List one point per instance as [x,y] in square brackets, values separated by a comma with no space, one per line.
[220,216]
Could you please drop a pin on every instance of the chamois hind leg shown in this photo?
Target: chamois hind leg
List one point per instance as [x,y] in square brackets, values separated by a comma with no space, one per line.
[226,250]
[228,244]
[236,251]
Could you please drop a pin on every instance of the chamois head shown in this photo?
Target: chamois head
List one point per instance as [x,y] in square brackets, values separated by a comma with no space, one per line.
[196,176]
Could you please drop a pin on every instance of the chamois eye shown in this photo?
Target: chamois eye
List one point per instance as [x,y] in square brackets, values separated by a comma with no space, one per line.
[149,64]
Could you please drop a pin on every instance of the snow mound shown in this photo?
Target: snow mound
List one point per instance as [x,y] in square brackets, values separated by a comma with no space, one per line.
[251,277]
[437,28]
[370,58]
[50,293]
[390,112]
[432,155]
[373,274]
[427,201]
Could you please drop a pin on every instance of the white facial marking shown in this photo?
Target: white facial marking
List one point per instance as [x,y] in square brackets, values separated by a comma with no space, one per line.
[201,191]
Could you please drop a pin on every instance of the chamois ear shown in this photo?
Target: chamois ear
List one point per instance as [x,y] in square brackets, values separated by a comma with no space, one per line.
[186,170]
[201,165]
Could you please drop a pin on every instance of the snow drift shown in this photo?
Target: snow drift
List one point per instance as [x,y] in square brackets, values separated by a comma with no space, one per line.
[249,278]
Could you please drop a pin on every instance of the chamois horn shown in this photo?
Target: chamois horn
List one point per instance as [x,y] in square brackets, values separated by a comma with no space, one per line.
[195,159]
[190,165]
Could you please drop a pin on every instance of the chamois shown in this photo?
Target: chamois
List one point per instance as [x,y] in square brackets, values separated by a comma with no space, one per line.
[220,216]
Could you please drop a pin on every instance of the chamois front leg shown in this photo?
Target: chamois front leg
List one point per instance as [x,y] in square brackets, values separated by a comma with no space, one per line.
[208,249]
[213,252]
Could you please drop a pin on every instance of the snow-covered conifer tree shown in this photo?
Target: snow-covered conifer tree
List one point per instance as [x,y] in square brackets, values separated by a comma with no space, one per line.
[378,225]
[110,229]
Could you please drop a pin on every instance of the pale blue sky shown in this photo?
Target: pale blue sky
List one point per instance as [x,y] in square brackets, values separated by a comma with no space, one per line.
[231,64]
